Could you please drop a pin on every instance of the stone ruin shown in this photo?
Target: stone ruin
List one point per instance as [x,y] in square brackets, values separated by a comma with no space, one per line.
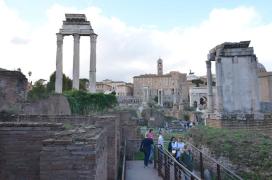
[237,103]
[63,147]
[13,90]
[76,25]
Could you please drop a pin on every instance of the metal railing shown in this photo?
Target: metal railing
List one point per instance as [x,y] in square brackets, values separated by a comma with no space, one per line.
[206,165]
[123,177]
[169,168]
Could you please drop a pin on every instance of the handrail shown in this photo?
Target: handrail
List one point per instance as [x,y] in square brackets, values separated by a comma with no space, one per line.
[216,162]
[167,153]
[219,167]
[124,161]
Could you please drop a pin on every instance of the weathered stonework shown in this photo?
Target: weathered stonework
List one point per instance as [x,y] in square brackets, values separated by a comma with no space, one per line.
[56,104]
[236,78]
[76,25]
[13,90]
[20,146]
[77,154]
[170,88]
[101,145]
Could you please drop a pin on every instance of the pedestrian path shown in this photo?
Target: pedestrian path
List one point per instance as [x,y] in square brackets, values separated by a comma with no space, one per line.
[135,170]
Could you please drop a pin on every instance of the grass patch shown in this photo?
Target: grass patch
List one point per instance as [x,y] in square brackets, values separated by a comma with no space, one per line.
[251,151]
[139,156]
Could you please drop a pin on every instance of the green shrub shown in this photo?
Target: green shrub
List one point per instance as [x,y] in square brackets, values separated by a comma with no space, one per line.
[85,103]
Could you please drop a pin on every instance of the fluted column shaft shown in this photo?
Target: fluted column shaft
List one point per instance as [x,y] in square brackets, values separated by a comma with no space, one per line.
[209,84]
[92,75]
[219,96]
[76,61]
[59,73]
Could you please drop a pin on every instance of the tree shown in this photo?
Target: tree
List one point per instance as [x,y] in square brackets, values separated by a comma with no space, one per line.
[38,91]
[197,82]
[66,83]
[83,84]
[156,99]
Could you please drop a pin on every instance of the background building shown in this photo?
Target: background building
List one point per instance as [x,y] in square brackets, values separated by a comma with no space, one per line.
[121,88]
[167,89]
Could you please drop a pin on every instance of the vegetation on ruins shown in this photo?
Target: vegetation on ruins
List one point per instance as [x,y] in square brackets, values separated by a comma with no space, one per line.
[250,152]
[84,103]
[38,91]
[41,90]
[197,82]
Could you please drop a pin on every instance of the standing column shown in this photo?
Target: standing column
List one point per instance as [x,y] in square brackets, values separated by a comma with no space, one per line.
[76,62]
[219,96]
[162,97]
[58,81]
[159,97]
[92,77]
[209,83]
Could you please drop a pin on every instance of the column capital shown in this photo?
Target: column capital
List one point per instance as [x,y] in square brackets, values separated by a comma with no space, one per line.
[59,38]
[93,37]
[76,37]
[208,64]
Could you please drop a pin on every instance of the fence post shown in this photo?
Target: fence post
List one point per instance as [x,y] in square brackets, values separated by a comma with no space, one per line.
[175,171]
[218,172]
[155,156]
[201,165]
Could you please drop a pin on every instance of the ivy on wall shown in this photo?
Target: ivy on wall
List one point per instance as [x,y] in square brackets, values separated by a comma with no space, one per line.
[84,103]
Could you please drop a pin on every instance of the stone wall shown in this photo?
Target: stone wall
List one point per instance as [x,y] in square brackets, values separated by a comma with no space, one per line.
[80,154]
[20,145]
[116,127]
[251,124]
[13,90]
[153,117]
[53,105]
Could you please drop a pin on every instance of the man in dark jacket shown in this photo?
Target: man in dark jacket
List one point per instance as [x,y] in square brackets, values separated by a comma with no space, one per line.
[146,148]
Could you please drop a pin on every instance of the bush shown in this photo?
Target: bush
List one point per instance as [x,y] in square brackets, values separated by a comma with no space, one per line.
[38,91]
[85,103]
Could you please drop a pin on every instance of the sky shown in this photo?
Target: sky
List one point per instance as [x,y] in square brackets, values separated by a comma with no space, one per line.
[132,35]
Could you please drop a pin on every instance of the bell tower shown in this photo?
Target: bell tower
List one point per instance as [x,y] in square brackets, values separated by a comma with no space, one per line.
[160,67]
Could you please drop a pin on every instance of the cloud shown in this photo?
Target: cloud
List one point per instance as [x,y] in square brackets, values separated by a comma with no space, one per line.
[125,51]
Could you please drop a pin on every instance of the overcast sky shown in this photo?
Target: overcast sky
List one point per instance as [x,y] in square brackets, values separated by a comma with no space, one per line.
[132,35]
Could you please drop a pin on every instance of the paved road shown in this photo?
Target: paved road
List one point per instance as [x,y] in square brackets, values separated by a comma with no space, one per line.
[135,171]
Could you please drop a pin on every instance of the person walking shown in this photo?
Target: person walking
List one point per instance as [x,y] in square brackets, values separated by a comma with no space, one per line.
[172,146]
[150,135]
[160,139]
[179,147]
[187,160]
[146,145]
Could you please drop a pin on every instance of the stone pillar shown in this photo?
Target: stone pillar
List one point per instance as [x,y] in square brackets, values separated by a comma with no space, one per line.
[59,74]
[159,97]
[219,94]
[175,96]
[76,62]
[209,84]
[92,77]
[162,97]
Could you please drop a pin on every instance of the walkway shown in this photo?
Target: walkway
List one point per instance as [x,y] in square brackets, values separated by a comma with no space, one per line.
[135,171]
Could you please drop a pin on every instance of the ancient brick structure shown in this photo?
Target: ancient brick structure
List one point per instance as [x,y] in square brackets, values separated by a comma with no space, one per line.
[13,90]
[80,154]
[46,146]
[20,146]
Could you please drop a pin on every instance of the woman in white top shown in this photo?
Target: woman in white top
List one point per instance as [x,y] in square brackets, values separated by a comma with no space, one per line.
[160,140]
[179,148]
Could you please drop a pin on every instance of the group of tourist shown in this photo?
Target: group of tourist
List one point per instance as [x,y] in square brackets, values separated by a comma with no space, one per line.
[179,149]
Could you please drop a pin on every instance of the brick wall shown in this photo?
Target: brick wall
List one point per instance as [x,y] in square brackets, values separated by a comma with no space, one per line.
[264,126]
[20,145]
[80,156]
